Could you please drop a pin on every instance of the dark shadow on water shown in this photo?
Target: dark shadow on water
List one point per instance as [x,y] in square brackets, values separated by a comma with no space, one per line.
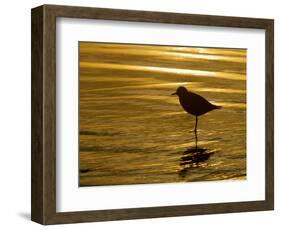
[194,157]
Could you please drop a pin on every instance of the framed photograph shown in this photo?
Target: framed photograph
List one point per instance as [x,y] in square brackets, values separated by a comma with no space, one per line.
[141,114]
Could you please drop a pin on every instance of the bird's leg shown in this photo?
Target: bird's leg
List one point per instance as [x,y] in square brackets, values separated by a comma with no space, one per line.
[196,139]
[195,129]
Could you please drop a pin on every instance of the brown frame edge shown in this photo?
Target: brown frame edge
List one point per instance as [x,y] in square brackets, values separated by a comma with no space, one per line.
[43,122]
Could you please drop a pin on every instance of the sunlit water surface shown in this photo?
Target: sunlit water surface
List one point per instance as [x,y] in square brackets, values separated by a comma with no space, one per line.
[132,131]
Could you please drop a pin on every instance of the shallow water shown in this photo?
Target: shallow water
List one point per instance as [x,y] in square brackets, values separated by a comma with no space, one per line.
[133,131]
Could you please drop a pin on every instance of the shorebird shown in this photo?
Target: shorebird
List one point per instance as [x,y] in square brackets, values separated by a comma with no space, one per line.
[194,103]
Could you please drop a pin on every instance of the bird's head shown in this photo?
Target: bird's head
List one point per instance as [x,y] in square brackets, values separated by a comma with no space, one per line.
[180,91]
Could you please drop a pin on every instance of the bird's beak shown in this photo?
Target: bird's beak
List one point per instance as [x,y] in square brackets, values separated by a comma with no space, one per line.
[174,94]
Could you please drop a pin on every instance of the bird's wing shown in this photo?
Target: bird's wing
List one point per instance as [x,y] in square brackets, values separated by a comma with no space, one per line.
[198,100]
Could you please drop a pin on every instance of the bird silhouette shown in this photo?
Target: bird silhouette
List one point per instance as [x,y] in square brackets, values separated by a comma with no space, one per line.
[194,103]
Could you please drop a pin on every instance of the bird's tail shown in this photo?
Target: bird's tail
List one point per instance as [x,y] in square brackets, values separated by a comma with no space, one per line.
[218,107]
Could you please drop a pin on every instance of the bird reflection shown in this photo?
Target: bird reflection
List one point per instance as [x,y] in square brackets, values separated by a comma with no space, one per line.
[193,157]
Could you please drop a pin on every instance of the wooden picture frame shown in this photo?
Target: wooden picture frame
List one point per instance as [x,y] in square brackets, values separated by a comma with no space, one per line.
[43,207]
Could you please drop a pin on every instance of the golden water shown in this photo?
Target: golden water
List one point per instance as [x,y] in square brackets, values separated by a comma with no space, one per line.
[133,131]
